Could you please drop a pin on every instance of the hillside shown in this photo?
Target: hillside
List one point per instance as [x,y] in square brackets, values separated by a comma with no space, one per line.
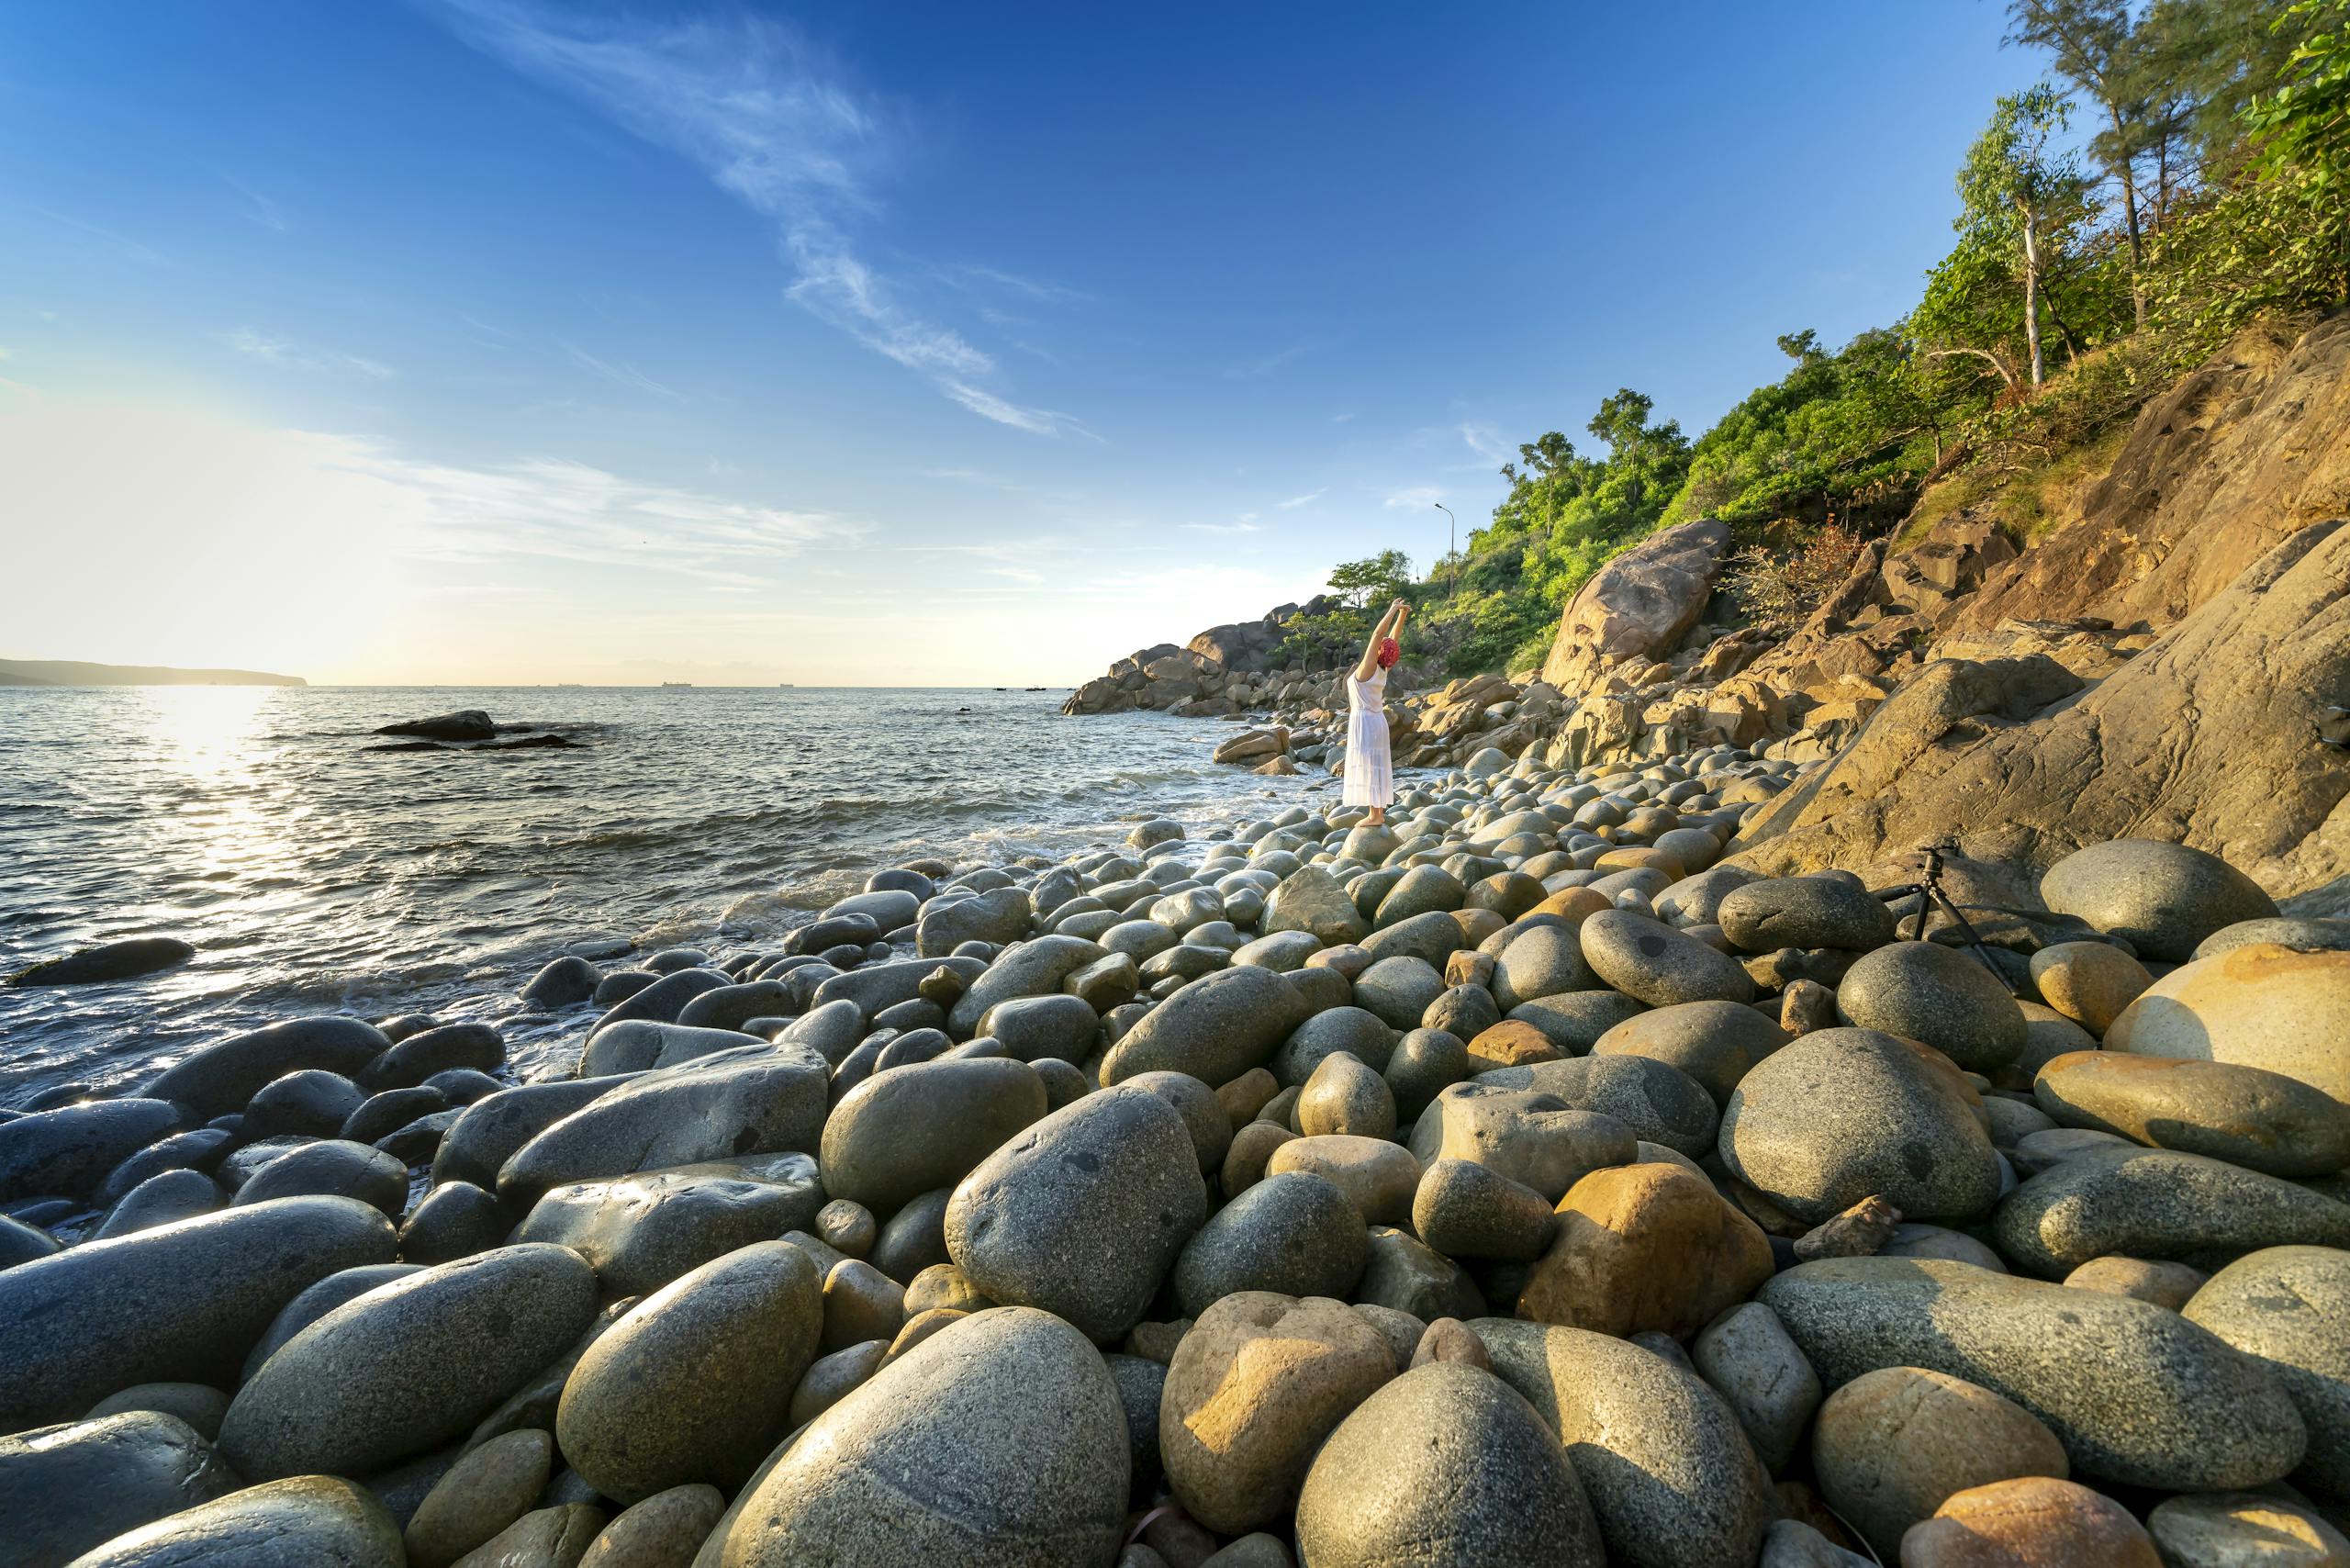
[73,672]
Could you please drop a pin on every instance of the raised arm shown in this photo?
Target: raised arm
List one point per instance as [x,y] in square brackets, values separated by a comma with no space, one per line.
[1388,624]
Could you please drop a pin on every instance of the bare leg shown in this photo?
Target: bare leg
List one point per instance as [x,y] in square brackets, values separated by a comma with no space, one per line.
[1378,817]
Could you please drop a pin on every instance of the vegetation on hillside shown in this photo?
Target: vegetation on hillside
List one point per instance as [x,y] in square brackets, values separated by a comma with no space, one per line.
[2185,170]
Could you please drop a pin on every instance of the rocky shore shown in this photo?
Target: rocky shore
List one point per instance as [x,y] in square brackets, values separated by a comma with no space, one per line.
[1532,1180]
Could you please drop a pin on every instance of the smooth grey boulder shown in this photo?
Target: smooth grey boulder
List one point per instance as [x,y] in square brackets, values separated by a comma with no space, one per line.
[888,908]
[2303,934]
[1082,1212]
[64,1489]
[1924,991]
[1717,1043]
[565,981]
[1000,915]
[1432,939]
[332,1167]
[408,1365]
[1215,1028]
[997,1442]
[345,1284]
[380,1116]
[1659,1101]
[756,1099]
[220,1078]
[1398,990]
[447,1048]
[1464,1209]
[1364,1035]
[1747,1357]
[637,1045]
[482,1141]
[21,1243]
[1844,1114]
[312,1102]
[1650,960]
[2163,899]
[125,959]
[310,1521]
[165,1198]
[1444,1467]
[1576,1020]
[178,1304]
[1403,1273]
[1670,1477]
[1804,911]
[1035,1026]
[663,1000]
[729,1007]
[695,1384]
[455,1219]
[199,1148]
[1543,961]
[2156,1205]
[873,987]
[639,1232]
[903,1132]
[2135,1391]
[2289,1308]
[1033,967]
[67,1152]
[1529,1136]
[1293,1233]
[1205,1116]
[1310,901]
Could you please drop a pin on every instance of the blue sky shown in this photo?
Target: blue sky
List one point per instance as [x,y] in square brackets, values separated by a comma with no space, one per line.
[482,340]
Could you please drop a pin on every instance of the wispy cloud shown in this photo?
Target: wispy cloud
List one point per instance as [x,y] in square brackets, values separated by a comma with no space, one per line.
[258,208]
[1485,442]
[968,274]
[1265,364]
[1415,495]
[620,372]
[1346,417]
[1304,500]
[284,353]
[769,119]
[122,244]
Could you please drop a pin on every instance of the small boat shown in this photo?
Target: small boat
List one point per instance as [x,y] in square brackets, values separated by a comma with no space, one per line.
[786,686]
[682,685]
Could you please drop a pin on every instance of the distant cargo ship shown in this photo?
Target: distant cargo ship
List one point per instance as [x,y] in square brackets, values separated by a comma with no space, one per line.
[686,684]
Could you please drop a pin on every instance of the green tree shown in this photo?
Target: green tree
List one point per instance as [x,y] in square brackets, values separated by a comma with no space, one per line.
[1374,580]
[2095,49]
[2018,187]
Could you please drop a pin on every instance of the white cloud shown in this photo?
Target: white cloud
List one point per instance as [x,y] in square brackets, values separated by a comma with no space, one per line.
[258,208]
[770,120]
[1420,496]
[620,372]
[1265,364]
[1485,442]
[1305,501]
[1242,526]
[284,353]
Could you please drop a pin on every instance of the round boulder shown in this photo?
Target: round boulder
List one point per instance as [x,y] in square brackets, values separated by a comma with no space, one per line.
[2264,1006]
[1890,1446]
[2163,899]
[1293,1233]
[906,1131]
[1922,991]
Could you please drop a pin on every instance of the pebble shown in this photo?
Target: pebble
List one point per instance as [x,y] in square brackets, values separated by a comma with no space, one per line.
[2164,1284]
[998,1443]
[1254,1388]
[906,1131]
[663,1531]
[1745,1354]
[1449,1467]
[695,1384]
[1343,1096]
[753,1100]
[1714,1043]
[1803,912]
[1892,1445]
[1377,1177]
[2090,982]
[1464,1209]
[1215,1028]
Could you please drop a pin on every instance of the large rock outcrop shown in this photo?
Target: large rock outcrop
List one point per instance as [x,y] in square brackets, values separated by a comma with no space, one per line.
[2225,734]
[1638,605]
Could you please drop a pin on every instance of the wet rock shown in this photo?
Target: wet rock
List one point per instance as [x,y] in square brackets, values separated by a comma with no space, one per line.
[905,1132]
[998,915]
[442,1049]
[2135,1393]
[455,1220]
[564,982]
[1645,1247]
[2151,1204]
[2289,1308]
[2162,899]
[1893,1445]
[1082,1212]
[488,1489]
[65,1489]
[1254,1388]
[68,1151]
[694,1385]
[756,1100]
[126,959]
[407,1365]
[300,1523]
[1445,1466]
[640,1232]
[1844,1114]
[1035,968]
[1922,991]
[1669,1473]
[997,1443]
[663,1531]
[312,1104]
[163,1199]
[557,1536]
[180,1303]
[221,1078]
[330,1168]
[481,1141]
[1292,1234]
[380,1116]
[199,1405]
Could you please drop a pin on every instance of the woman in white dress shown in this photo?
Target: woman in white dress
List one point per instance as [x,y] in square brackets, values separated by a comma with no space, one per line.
[1370,777]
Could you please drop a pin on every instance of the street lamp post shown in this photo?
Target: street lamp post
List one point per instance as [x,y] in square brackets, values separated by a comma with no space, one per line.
[1452,548]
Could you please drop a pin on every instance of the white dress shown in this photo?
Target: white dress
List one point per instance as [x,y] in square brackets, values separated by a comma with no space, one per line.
[1371,780]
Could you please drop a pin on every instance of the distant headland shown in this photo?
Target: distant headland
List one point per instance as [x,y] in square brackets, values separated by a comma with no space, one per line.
[73,672]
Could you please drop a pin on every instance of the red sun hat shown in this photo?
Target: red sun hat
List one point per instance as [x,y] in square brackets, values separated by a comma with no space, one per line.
[1388,653]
